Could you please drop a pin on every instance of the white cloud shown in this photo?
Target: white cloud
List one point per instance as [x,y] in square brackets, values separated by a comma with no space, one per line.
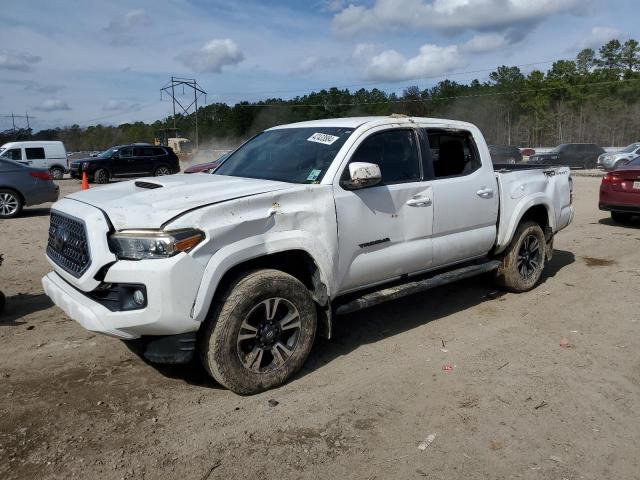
[53,105]
[450,15]
[598,37]
[122,30]
[391,65]
[333,5]
[17,61]
[485,42]
[121,105]
[315,63]
[212,57]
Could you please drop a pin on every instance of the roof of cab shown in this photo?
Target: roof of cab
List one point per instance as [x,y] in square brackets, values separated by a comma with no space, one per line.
[355,122]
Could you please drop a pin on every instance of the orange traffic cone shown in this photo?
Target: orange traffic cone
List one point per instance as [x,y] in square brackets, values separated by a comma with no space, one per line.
[85,181]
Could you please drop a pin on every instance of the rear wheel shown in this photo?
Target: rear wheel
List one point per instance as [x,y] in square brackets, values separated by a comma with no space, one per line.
[620,217]
[261,333]
[161,171]
[57,173]
[101,176]
[523,261]
[10,203]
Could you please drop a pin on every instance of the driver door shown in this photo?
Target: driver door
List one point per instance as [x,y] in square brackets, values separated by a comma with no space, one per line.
[384,231]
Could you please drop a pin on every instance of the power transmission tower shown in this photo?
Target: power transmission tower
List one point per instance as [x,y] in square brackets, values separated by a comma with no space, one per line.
[13,122]
[170,89]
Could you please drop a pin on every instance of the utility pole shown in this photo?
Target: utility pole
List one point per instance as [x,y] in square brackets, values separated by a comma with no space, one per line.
[169,89]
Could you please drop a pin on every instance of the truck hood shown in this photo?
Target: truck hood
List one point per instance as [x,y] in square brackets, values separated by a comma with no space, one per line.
[151,202]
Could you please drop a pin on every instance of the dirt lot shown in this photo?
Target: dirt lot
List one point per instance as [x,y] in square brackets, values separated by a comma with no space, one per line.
[516,404]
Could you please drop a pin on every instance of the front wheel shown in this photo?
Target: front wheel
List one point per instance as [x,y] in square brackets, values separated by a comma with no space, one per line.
[523,261]
[101,176]
[261,332]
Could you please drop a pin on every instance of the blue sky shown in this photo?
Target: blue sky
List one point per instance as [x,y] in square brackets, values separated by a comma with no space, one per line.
[90,62]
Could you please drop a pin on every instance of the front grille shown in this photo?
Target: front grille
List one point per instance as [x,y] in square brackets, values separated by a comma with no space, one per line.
[67,245]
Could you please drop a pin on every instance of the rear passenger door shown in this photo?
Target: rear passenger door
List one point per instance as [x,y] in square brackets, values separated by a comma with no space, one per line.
[384,231]
[123,166]
[144,160]
[465,197]
[36,157]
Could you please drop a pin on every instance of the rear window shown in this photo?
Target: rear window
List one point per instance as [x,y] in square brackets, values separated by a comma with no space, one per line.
[35,153]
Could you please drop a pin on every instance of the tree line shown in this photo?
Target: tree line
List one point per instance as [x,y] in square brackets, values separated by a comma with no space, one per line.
[594,98]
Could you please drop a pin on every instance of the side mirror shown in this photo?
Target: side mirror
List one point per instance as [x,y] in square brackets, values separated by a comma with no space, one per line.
[362,175]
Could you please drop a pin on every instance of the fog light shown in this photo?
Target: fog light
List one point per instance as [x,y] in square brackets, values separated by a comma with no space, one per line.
[138,297]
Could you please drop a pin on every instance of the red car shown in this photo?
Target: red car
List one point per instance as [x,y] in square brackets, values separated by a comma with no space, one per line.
[206,167]
[620,192]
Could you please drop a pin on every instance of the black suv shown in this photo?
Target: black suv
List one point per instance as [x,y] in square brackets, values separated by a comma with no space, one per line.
[582,155]
[127,161]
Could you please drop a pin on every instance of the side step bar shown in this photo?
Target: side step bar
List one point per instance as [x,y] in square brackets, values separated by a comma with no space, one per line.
[399,291]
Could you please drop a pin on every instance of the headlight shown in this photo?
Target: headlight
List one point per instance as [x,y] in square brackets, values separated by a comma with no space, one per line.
[143,244]
[85,165]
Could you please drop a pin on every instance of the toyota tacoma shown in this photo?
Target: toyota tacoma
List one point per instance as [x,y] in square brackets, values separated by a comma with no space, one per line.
[245,266]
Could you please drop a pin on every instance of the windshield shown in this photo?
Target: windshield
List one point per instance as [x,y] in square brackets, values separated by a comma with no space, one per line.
[108,153]
[558,149]
[294,155]
[630,148]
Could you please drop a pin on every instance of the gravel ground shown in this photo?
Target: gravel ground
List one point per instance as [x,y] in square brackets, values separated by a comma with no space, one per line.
[515,404]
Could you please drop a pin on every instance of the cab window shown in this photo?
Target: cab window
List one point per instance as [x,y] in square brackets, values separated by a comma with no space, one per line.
[453,153]
[125,153]
[395,152]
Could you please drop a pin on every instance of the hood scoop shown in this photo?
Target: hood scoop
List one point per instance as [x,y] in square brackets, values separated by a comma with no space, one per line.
[148,185]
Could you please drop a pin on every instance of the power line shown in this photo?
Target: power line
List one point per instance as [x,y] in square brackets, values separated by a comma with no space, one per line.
[493,94]
[377,82]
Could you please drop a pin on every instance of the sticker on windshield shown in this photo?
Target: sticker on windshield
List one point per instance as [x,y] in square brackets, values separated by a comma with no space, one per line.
[313,174]
[323,138]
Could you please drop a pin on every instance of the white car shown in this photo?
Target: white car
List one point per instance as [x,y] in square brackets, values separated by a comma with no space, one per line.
[38,154]
[615,160]
[300,224]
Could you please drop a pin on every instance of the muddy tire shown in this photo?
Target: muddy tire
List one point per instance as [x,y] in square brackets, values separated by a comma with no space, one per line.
[621,217]
[101,176]
[260,332]
[524,259]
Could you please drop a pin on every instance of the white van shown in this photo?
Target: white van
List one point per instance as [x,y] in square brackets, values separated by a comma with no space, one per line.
[51,155]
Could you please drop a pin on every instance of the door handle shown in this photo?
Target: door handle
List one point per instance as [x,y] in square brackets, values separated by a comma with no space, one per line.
[485,192]
[419,202]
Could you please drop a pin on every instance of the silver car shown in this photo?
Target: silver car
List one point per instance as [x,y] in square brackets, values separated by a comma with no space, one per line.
[611,161]
[21,186]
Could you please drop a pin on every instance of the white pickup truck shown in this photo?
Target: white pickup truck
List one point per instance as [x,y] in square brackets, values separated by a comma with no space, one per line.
[301,223]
